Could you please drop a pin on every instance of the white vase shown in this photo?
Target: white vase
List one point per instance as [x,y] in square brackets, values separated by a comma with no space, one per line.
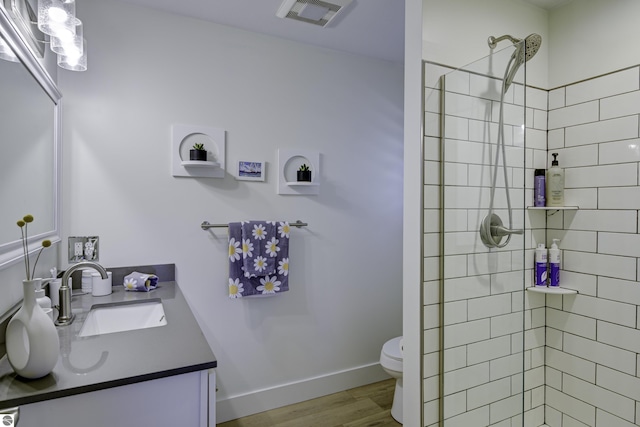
[32,339]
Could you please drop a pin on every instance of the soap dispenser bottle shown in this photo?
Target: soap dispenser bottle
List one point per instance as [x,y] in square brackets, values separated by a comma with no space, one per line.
[555,183]
[541,265]
[554,264]
[43,301]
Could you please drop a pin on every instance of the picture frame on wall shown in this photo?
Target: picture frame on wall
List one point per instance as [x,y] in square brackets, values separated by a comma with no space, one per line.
[249,170]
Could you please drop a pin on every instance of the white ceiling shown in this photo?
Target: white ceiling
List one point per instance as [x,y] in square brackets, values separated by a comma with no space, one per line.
[372,28]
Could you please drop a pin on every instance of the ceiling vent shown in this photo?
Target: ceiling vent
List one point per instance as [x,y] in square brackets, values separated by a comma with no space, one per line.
[315,12]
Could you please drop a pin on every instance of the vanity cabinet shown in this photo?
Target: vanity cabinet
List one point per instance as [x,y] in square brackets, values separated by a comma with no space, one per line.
[160,376]
[186,400]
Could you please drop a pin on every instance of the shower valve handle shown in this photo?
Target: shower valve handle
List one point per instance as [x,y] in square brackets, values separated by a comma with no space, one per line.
[492,231]
[498,230]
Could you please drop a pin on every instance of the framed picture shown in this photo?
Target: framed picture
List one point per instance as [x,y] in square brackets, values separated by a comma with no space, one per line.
[251,170]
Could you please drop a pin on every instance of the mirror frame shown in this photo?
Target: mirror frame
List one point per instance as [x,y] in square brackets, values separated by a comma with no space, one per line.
[12,252]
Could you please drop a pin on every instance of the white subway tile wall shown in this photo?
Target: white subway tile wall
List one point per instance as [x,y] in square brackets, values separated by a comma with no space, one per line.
[594,355]
[581,353]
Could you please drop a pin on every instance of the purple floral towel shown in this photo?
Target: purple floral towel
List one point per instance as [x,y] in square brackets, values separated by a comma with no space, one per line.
[259,247]
[140,282]
[243,252]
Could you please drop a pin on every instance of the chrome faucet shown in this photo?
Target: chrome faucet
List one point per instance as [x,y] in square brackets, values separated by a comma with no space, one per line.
[65,315]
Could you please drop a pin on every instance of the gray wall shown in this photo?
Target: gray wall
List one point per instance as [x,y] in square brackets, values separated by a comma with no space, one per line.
[149,70]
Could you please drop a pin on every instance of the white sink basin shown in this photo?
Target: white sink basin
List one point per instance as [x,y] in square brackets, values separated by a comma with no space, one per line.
[123,316]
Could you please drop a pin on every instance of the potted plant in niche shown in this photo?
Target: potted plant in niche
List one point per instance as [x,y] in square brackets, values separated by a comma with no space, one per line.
[304,173]
[198,153]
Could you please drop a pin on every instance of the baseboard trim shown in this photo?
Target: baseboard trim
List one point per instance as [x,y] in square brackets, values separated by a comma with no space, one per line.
[286,394]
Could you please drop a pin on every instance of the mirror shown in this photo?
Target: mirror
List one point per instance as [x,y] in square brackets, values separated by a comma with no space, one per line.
[29,143]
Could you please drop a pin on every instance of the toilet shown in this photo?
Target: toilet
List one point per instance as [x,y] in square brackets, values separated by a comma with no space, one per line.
[391,362]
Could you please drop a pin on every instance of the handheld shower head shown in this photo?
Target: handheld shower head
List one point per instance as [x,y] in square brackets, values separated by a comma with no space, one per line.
[524,52]
[532,43]
[531,46]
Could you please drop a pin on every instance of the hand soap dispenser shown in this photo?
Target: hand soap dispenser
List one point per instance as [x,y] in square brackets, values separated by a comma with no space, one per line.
[555,183]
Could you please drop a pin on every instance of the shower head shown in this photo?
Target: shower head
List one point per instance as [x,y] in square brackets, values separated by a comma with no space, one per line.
[531,45]
[524,52]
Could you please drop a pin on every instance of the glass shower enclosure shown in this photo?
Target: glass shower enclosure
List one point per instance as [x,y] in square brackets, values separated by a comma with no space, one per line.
[492,351]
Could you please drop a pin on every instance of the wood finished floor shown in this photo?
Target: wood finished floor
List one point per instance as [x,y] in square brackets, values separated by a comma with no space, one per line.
[366,406]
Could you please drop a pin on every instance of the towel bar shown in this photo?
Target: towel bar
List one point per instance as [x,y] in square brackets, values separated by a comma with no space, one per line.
[206,225]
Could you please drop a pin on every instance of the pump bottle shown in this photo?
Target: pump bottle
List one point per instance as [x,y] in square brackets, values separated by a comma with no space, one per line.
[541,265]
[555,183]
[554,264]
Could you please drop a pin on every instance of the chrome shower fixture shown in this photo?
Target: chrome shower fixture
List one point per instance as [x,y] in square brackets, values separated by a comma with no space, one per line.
[524,52]
[492,229]
[532,43]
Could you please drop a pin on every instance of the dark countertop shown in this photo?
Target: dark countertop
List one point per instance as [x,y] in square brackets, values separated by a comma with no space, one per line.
[111,360]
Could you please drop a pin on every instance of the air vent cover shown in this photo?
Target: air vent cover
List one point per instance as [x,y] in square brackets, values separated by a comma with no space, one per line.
[315,12]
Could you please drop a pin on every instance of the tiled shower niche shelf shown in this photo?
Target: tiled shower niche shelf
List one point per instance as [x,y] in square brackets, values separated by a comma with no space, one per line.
[552,290]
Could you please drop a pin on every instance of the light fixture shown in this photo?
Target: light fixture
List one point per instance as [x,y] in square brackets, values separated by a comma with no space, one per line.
[57,19]
[68,43]
[73,60]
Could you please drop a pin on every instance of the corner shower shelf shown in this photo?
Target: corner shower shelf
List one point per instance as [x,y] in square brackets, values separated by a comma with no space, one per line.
[552,290]
[553,208]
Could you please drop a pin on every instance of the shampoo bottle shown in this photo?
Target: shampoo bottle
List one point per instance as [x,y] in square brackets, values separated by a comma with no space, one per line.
[539,188]
[541,265]
[555,184]
[554,264]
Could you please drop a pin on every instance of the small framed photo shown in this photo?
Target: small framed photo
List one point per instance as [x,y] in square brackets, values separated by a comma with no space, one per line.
[251,170]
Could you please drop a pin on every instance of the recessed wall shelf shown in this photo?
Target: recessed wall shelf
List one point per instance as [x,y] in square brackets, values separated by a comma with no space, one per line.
[302,184]
[552,290]
[199,164]
[183,137]
[289,160]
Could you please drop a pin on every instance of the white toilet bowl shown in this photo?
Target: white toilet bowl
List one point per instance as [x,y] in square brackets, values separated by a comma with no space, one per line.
[391,362]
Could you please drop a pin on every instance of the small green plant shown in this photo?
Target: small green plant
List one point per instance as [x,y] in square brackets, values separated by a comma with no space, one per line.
[198,146]
[23,223]
[304,168]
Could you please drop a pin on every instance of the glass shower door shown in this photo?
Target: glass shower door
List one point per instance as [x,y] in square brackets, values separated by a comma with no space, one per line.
[482,288]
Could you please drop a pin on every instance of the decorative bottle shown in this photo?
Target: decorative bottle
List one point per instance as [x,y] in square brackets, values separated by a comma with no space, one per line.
[32,340]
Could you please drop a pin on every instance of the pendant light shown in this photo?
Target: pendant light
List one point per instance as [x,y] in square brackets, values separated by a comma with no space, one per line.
[73,60]
[57,18]
[68,43]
